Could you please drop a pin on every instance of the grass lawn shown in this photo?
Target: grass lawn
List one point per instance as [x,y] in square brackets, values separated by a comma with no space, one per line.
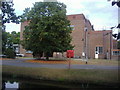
[108,77]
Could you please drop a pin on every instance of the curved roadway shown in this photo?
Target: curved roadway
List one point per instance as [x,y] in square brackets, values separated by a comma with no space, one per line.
[22,63]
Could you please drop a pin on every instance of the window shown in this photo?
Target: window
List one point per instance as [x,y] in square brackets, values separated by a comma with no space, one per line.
[85,29]
[17,50]
[72,26]
[99,50]
[116,52]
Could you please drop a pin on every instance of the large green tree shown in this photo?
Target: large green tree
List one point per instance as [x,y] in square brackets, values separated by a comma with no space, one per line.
[48,30]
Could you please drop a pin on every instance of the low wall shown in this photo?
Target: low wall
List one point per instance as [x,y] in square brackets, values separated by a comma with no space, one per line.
[115,57]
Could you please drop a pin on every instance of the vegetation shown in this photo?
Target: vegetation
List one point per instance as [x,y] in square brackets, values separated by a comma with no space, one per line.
[10,53]
[4,40]
[8,15]
[48,30]
[8,40]
[13,38]
[118,4]
[108,77]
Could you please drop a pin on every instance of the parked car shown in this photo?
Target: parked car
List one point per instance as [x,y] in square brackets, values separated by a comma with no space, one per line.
[2,55]
[20,55]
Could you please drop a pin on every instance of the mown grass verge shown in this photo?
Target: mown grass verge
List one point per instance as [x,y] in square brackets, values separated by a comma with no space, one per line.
[101,77]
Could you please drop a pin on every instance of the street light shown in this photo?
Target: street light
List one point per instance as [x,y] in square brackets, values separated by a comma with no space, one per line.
[110,33]
[86,55]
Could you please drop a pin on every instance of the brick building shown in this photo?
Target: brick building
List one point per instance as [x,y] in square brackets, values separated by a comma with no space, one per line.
[87,41]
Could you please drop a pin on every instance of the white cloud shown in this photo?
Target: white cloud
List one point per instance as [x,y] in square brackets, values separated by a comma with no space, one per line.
[20,5]
[100,12]
[12,27]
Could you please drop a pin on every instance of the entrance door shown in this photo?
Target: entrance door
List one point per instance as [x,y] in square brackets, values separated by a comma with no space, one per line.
[98,50]
[96,54]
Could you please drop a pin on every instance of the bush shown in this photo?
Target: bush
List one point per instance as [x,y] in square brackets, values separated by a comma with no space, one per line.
[10,53]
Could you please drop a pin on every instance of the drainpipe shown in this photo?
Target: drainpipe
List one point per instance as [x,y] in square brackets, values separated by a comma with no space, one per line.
[110,45]
[104,45]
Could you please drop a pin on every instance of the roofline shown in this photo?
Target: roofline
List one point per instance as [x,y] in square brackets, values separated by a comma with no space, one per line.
[75,14]
[107,31]
[102,30]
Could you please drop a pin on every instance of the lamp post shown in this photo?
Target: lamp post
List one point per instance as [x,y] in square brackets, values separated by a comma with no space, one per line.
[86,53]
[110,34]
[69,61]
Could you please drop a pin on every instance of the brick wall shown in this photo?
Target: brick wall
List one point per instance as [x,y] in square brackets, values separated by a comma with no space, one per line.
[78,34]
[99,39]
[94,38]
[22,50]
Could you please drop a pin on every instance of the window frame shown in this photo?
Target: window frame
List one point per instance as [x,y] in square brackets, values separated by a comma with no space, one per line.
[73,27]
[99,49]
[116,53]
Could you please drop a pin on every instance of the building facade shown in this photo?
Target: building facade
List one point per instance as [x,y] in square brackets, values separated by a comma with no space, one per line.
[88,42]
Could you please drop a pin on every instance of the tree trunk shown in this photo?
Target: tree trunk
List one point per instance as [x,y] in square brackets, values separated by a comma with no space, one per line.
[47,56]
[62,55]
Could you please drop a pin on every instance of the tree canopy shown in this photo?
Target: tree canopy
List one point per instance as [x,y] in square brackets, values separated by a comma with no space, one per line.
[48,30]
[13,38]
[8,15]
[118,26]
[9,39]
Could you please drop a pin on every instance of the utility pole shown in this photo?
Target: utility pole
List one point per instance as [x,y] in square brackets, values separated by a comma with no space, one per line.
[69,61]
[86,47]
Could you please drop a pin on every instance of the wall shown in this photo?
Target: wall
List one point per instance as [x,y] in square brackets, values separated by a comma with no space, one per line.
[78,34]
[99,39]
[94,38]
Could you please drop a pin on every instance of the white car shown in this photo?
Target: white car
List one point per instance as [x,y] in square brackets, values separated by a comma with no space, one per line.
[2,55]
[20,55]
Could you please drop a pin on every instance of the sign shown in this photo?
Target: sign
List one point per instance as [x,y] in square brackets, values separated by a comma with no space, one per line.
[70,53]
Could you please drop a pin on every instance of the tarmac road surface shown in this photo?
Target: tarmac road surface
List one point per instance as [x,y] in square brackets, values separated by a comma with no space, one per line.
[22,63]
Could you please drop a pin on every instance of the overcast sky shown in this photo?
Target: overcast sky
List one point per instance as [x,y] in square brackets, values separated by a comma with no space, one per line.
[100,12]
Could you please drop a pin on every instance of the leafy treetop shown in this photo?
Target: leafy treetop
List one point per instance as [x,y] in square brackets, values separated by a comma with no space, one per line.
[48,30]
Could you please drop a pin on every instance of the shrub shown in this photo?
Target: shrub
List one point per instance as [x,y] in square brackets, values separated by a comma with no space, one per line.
[10,53]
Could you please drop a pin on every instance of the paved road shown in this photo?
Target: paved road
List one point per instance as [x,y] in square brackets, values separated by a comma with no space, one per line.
[21,63]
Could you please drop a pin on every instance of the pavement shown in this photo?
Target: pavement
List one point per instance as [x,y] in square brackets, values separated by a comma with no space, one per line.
[22,63]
